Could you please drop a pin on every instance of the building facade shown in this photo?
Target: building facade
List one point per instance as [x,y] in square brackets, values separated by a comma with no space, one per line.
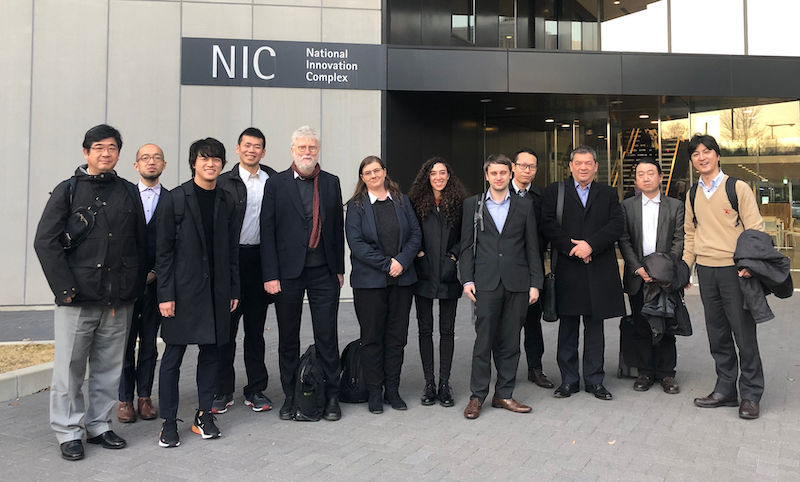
[460,78]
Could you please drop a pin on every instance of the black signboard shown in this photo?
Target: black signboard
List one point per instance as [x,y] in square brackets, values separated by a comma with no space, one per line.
[271,63]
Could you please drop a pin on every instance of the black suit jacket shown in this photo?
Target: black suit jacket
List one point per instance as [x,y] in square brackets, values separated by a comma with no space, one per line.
[510,257]
[285,232]
[183,272]
[594,288]
[669,236]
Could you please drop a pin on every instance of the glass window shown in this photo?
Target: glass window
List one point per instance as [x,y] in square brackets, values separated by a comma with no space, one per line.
[708,26]
[462,20]
[635,26]
[506,20]
[772,27]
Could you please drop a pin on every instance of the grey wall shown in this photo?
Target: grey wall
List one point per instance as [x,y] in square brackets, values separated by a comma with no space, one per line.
[67,65]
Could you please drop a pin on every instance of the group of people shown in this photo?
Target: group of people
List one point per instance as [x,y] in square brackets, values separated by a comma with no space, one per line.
[126,260]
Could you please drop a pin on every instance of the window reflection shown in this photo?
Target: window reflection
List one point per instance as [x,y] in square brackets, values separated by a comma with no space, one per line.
[462,20]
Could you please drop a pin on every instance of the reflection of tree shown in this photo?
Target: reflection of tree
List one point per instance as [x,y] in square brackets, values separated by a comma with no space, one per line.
[674,130]
[742,128]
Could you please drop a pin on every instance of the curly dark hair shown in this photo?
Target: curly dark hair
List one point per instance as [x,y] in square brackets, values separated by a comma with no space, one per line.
[453,194]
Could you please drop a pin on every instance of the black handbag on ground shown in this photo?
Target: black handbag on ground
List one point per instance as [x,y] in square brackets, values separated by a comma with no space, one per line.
[352,388]
[548,296]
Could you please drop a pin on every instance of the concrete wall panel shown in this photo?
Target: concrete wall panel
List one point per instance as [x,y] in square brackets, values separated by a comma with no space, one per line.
[16,24]
[286,23]
[349,25]
[68,97]
[216,20]
[144,80]
[368,4]
[278,112]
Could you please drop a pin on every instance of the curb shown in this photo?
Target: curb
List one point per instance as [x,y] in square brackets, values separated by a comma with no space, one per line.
[34,379]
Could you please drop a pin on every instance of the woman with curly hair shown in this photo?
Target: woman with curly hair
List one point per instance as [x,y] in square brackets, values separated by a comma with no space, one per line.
[437,196]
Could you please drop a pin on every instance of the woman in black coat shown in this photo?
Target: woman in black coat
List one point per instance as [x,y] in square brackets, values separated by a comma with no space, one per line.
[384,238]
[437,196]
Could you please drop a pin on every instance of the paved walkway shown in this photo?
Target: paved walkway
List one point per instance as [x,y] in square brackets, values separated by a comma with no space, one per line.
[637,436]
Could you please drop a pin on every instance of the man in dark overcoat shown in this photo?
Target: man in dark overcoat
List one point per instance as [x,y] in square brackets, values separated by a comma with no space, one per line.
[587,273]
[197,267]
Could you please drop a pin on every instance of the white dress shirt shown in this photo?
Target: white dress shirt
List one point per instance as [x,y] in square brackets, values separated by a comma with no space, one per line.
[649,223]
[149,197]
[251,226]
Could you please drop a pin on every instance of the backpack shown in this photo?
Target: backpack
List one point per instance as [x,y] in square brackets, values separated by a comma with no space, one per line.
[352,388]
[730,190]
[309,390]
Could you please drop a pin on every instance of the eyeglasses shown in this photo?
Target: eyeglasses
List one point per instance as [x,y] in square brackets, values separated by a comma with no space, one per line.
[311,149]
[525,167]
[99,148]
[147,158]
[375,171]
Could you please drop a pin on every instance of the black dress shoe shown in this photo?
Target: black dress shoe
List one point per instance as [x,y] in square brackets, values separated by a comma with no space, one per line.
[599,391]
[748,410]
[445,394]
[332,410]
[643,383]
[109,440]
[565,390]
[537,376]
[393,399]
[375,402]
[429,395]
[72,450]
[287,410]
[715,400]
[670,385]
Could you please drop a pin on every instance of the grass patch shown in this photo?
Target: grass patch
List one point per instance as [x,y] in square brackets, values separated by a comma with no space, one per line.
[16,356]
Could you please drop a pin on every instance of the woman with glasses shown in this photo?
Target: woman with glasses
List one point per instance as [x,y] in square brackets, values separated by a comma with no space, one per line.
[437,197]
[384,238]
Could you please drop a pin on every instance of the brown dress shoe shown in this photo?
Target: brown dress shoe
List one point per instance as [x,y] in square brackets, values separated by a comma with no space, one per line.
[670,385]
[748,410]
[510,404]
[537,376]
[146,409]
[125,413]
[715,400]
[473,409]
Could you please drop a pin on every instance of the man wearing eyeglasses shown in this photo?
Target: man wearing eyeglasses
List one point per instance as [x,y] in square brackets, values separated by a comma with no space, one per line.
[302,253]
[525,166]
[95,280]
[146,318]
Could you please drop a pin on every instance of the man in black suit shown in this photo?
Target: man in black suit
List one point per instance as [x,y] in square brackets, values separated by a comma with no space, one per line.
[246,182]
[302,252]
[587,274]
[146,319]
[502,274]
[653,223]
[525,165]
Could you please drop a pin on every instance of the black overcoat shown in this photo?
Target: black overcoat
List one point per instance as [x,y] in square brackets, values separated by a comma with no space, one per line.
[436,270]
[594,288]
[182,268]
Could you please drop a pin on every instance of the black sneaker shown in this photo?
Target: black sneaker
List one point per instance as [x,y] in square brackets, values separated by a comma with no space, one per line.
[221,403]
[204,425]
[169,434]
[257,401]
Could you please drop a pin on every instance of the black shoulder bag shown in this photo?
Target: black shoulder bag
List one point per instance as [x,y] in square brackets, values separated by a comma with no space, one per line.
[80,220]
[549,300]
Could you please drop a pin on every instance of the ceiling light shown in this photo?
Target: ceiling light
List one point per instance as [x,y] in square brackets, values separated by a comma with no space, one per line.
[601,137]
[615,102]
[510,107]
[485,101]
[565,125]
[549,119]
[644,116]
[654,122]
[509,37]
[617,2]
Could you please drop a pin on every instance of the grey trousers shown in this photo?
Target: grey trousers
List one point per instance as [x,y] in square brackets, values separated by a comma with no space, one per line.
[95,334]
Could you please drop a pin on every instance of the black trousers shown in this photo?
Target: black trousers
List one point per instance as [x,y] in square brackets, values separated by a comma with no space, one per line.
[170,373]
[383,317]
[651,360]
[252,310]
[593,349]
[322,289]
[447,324]
[144,327]
[499,317]
[534,341]
[727,321]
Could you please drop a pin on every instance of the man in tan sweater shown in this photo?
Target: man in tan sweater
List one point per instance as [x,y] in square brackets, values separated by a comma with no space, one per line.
[712,229]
